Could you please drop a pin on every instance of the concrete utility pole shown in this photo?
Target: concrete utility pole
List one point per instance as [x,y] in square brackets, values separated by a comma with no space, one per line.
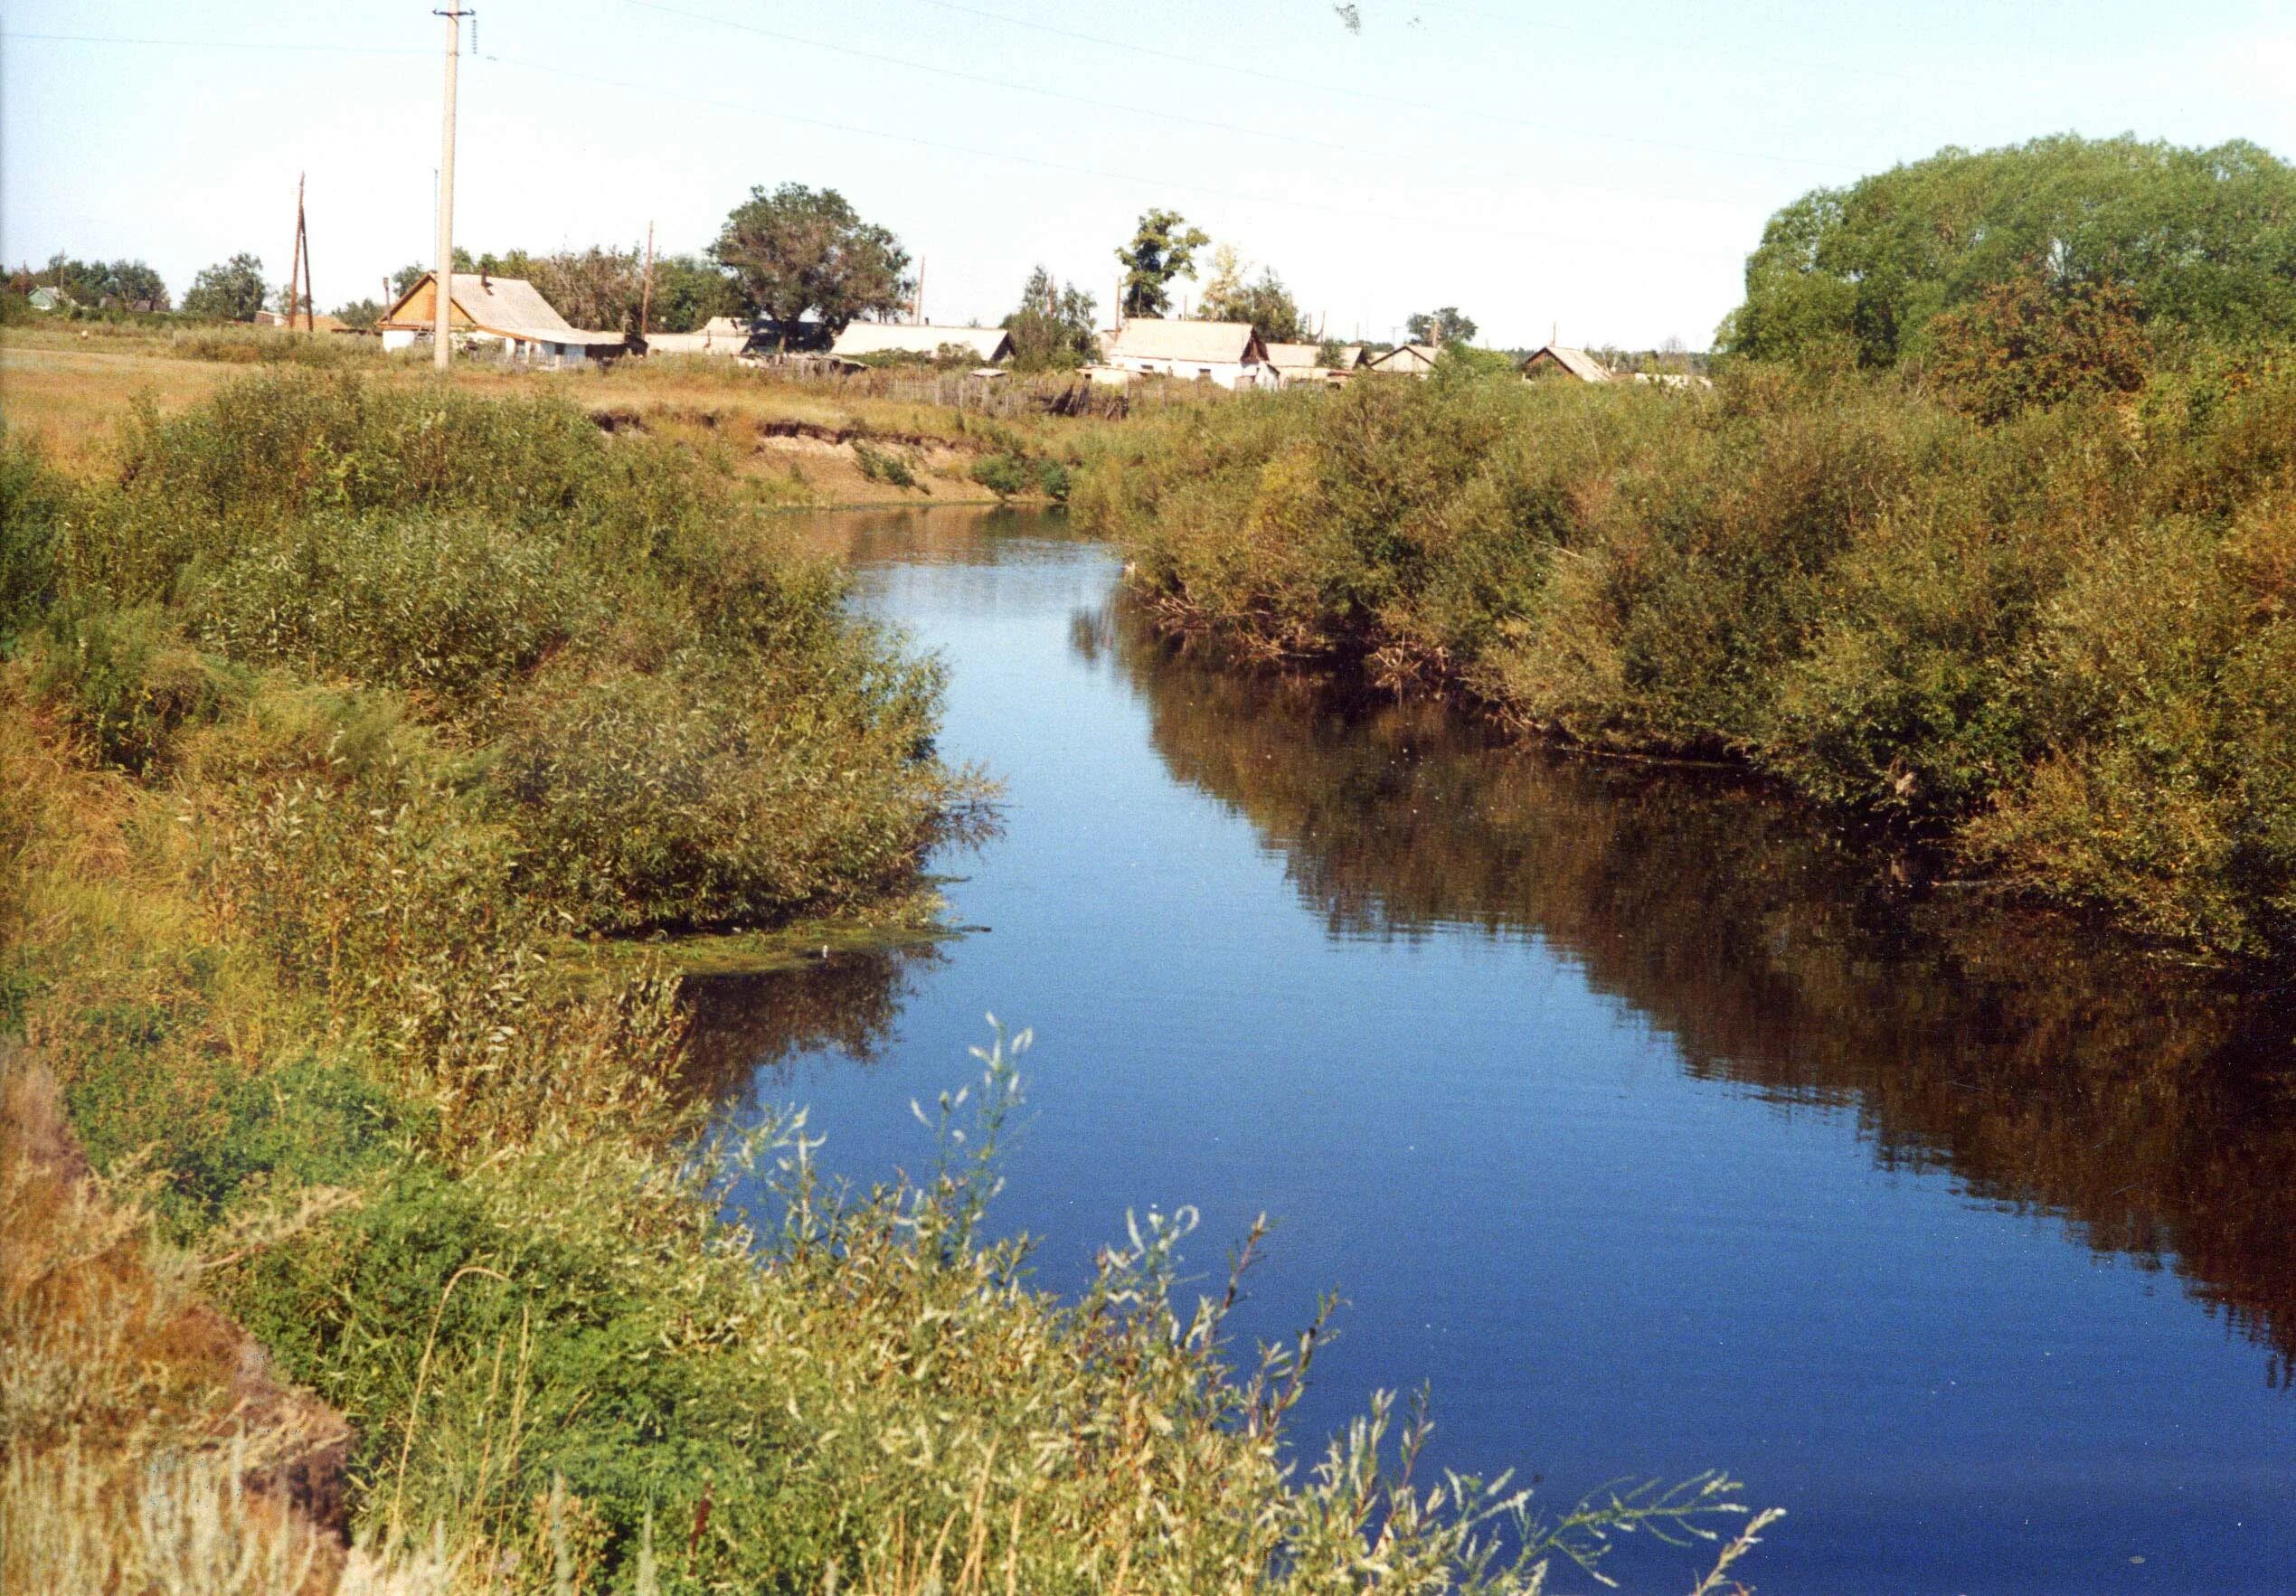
[441,343]
[646,294]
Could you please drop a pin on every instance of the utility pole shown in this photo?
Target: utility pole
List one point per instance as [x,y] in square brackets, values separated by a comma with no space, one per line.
[645,294]
[917,305]
[442,297]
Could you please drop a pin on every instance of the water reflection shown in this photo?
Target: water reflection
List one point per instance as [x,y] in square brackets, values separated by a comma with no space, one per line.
[846,1002]
[2151,1108]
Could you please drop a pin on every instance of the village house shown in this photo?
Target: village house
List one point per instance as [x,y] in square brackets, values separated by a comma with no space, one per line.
[47,299]
[1407,360]
[1573,365]
[721,335]
[922,340]
[1228,353]
[1298,363]
[504,314]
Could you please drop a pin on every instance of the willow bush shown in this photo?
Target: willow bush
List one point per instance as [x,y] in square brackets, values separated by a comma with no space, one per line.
[2057,645]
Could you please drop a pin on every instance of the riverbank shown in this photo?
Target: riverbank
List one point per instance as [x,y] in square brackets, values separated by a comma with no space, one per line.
[349,729]
[2058,650]
[789,441]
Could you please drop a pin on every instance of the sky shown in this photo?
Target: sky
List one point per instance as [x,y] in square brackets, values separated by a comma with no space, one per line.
[1596,172]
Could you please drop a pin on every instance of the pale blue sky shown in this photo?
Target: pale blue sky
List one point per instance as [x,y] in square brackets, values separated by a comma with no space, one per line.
[1599,169]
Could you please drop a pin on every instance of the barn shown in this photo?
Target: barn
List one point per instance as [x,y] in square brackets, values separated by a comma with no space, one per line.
[504,315]
[1228,353]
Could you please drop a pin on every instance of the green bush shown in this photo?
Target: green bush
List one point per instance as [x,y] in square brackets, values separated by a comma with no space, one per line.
[126,681]
[2041,642]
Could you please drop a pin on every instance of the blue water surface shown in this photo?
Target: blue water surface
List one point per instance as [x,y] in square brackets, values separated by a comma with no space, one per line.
[1617,1116]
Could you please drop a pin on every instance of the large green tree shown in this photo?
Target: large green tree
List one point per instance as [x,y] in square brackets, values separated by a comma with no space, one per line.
[1231,294]
[797,250]
[1163,247]
[2205,238]
[1052,329]
[128,283]
[230,290]
[1448,325]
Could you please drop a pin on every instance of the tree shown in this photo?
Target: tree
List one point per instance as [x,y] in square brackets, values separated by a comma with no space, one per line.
[2205,238]
[414,272]
[688,291]
[136,285]
[1052,329]
[229,291]
[2032,342]
[1163,247]
[1266,303]
[361,314]
[797,250]
[1447,326]
[128,283]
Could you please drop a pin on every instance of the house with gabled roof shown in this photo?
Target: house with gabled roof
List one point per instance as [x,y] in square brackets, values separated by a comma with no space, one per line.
[922,340]
[507,314]
[1228,353]
[1557,361]
[1406,360]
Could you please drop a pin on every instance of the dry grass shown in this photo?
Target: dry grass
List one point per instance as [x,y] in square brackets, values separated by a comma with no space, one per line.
[69,392]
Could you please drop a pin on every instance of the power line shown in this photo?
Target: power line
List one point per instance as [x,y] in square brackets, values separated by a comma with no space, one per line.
[214,43]
[1640,246]
[965,77]
[1324,87]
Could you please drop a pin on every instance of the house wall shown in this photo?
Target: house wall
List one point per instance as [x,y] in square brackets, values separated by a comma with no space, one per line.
[1226,373]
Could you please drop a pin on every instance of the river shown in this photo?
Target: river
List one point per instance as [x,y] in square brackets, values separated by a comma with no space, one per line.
[1625,1111]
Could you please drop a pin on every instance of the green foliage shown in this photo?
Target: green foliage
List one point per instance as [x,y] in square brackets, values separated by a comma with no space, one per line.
[1052,329]
[1264,302]
[360,314]
[1163,247]
[797,250]
[2204,240]
[1013,474]
[1448,325]
[2028,343]
[126,682]
[33,505]
[230,290]
[2053,643]
[888,466]
[92,284]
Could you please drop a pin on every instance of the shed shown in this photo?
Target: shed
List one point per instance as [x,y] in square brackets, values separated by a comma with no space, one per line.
[505,312]
[1228,353]
[47,299]
[1557,361]
[923,340]
[1407,360]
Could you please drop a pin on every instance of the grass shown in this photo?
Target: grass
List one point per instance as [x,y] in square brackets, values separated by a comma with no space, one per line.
[345,776]
[794,440]
[2059,648]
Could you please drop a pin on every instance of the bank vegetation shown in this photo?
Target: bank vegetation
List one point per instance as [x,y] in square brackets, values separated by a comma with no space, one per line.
[353,733]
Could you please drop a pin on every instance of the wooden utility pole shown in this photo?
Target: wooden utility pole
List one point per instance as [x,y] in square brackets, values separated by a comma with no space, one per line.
[917,307]
[442,285]
[646,294]
[301,262]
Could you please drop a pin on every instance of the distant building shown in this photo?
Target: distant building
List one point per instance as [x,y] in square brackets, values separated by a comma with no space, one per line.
[46,298]
[321,322]
[862,339]
[1407,360]
[1555,361]
[721,335]
[1228,353]
[505,313]
[1298,364]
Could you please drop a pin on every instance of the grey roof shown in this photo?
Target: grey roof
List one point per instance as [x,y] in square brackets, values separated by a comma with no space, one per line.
[879,337]
[510,306]
[1577,362]
[1406,357]
[1293,357]
[1201,343]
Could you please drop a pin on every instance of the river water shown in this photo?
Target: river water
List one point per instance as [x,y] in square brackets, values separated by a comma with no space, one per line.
[1625,1112]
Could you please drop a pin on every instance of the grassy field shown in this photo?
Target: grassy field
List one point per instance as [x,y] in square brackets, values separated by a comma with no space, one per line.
[793,441]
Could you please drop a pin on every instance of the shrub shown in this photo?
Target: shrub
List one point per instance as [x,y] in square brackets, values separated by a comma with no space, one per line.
[888,466]
[127,683]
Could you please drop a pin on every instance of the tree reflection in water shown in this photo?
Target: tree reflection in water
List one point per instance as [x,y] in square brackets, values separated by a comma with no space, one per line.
[2152,1106]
